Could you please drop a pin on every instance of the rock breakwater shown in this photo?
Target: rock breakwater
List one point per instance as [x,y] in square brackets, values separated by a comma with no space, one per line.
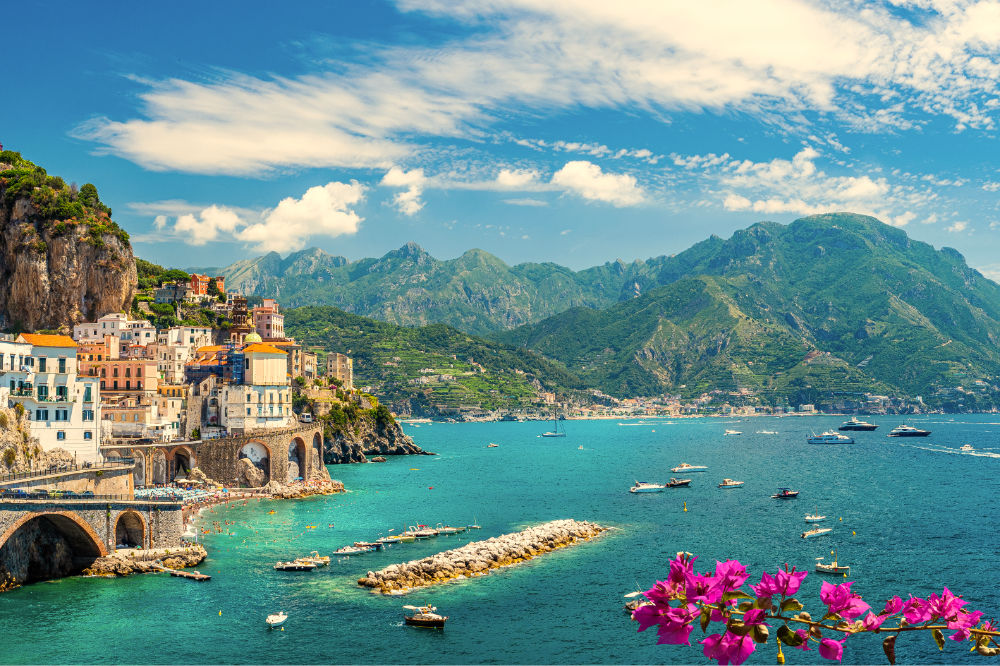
[127,562]
[479,557]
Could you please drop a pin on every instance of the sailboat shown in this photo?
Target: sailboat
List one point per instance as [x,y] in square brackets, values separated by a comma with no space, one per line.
[832,567]
[555,429]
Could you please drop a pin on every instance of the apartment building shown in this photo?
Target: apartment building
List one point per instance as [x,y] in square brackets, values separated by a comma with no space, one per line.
[268,322]
[341,367]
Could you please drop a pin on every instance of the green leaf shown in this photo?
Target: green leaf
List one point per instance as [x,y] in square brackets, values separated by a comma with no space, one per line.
[938,638]
[789,637]
[735,594]
[738,629]
[791,605]
[706,617]
[759,633]
[745,606]
[832,616]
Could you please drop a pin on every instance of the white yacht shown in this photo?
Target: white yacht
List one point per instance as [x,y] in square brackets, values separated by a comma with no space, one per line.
[729,483]
[732,432]
[645,487]
[966,448]
[684,467]
[276,619]
[816,531]
[908,431]
[829,437]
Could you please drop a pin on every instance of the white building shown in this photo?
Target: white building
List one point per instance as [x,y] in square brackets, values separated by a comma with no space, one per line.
[264,400]
[64,410]
[175,347]
[130,331]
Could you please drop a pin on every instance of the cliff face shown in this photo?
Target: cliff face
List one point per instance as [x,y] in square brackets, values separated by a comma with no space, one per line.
[366,437]
[62,259]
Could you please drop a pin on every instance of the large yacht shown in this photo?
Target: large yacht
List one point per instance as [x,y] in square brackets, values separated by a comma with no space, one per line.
[908,431]
[684,467]
[854,423]
[829,437]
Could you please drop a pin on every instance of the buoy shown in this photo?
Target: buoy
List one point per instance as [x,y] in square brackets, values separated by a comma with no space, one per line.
[220,612]
[430,487]
[853,533]
[685,507]
[841,519]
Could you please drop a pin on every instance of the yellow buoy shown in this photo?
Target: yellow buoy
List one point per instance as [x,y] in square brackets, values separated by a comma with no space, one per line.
[853,533]
[685,507]
[220,612]
[841,519]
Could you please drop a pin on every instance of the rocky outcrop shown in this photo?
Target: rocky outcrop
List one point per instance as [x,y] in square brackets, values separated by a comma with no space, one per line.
[479,557]
[299,490]
[146,561]
[367,437]
[19,451]
[249,474]
[62,259]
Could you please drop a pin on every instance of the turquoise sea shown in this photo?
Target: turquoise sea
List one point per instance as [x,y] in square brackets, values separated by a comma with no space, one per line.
[908,515]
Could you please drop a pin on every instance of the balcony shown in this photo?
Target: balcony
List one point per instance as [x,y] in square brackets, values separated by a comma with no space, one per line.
[23,393]
[68,397]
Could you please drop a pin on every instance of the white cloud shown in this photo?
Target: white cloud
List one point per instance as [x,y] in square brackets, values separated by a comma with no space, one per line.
[537,203]
[517,179]
[321,211]
[587,180]
[957,227]
[409,201]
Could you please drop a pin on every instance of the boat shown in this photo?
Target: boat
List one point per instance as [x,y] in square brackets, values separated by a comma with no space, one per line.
[678,483]
[966,448]
[816,531]
[317,559]
[767,432]
[729,483]
[832,567]
[684,467]
[854,423]
[425,616]
[829,437]
[785,493]
[634,603]
[814,517]
[908,431]
[352,550]
[732,432]
[391,539]
[294,565]
[276,619]
[448,529]
[374,545]
[646,487]
[491,445]
[555,430]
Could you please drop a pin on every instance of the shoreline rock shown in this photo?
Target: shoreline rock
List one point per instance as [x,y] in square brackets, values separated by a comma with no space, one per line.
[479,557]
[368,438]
[147,561]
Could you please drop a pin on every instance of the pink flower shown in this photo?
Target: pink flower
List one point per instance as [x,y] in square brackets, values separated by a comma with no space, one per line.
[804,635]
[873,621]
[783,583]
[676,625]
[662,592]
[647,616]
[916,610]
[946,606]
[840,600]
[831,649]
[729,575]
[702,587]
[893,606]
[963,622]
[728,648]
[681,567]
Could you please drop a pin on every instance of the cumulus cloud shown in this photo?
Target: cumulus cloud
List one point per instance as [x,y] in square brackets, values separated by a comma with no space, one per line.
[407,202]
[322,211]
[588,181]
[957,227]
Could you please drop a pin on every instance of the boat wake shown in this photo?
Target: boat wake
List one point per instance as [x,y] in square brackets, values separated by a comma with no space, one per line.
[955,452]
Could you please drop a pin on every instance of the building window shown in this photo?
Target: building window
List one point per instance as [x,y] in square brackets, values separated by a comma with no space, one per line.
[88,435]
[88,415]
[128,372]
[87,397]
[61,435]
[41,364]
[42,415]
[115,386]
[62,365]
[114,371]
[43,391]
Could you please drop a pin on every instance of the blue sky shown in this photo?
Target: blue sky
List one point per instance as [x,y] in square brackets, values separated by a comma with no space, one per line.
[568,131]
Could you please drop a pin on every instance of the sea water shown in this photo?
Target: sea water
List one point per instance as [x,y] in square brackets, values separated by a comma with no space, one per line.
[908,516]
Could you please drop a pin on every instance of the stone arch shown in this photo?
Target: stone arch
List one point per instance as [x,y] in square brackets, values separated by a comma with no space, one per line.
[53,544]
[298,464]
[130,529]
[183,461]
[256,470]
[139,471]
[159,467]
[316,455]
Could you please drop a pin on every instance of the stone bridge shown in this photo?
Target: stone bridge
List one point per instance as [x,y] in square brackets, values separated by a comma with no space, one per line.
[44,539]
[249,460]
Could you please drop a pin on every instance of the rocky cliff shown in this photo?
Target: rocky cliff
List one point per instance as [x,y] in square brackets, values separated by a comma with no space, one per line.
[369,437]
[62,259]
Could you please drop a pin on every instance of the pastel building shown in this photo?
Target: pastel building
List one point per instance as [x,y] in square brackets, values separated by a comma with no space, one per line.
[129,331]
[268,322]
[264,399]
[64,409]
[341,367]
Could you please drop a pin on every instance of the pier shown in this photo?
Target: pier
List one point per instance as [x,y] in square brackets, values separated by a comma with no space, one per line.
[479,557]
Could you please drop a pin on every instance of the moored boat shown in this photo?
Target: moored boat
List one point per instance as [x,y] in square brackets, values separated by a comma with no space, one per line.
[729,483]
[276,619]
[854,423]
[732,432]
[684,467]
[966,448]
[908,431]
[491,445]
[832,567]
[785,493]
[374,545]
[816,531]
[678,483]
[421,532]
[448,529]
[646,487]
[317,559]
[352,550]
[634,602]
[425,616]
[294,565]
[829,437]
[815,516]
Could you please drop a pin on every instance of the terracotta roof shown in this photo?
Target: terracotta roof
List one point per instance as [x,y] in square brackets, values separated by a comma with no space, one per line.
[210,349]
[43,340]
[263,349]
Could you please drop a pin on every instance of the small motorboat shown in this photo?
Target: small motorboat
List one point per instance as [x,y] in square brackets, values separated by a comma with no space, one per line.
[908,431]
[729,433]
[448,529]
[421,532]
[317,559]
[966,448]
[684,467]
[816,531]
[767,432]
[294,565]
[392,538]
[352,550]
[829,437]
[634,602]
[647,487]
[814,517]
[425,616]
[276,619]
[855,424]
[678,483]
[491,445]
[729,483]
[785,493]
[832,567]
[373,545]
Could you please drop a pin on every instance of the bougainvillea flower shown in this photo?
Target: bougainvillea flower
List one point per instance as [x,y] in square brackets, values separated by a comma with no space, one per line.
[916,610]
[893,606]
[947,605]
[702,587]
[663,592]
[754,616]
[681,567]
[647,616]
[963,622]
[783,583]
[728,648]
[831,649]
[730,575]
[840,600]
[676,625]
[804,635]
[872,621]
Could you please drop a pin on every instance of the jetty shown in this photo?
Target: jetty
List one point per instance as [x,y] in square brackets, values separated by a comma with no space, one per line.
[192,575]
[479,557]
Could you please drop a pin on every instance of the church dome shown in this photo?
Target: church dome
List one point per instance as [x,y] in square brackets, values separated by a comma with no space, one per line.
[252,338]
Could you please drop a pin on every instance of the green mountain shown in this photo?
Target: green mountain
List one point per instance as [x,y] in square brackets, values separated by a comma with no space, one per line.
[433,367]
[836,302]
[476,292]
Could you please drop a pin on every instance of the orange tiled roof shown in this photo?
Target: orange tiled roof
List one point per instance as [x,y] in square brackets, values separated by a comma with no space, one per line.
[263,349]
[44,340]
